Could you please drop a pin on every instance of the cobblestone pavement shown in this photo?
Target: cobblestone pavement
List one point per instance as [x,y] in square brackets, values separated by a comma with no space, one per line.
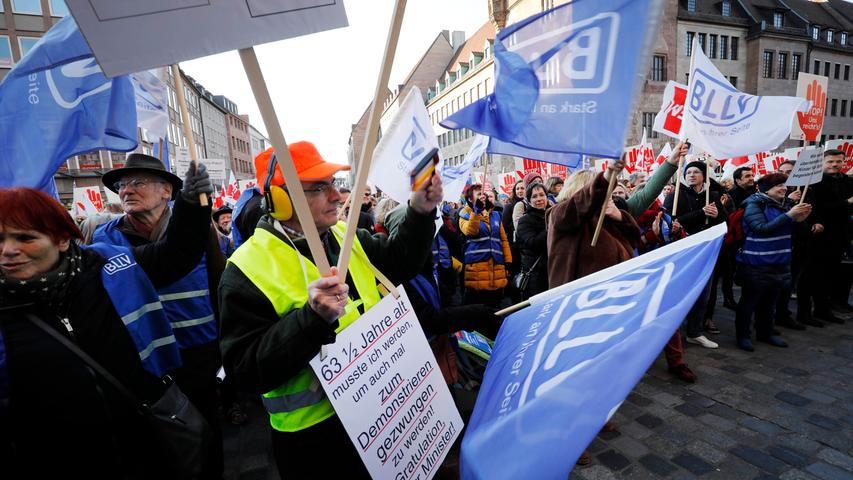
[775,413]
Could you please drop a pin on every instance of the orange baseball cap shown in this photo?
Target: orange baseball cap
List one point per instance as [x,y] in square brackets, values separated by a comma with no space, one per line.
[307,160]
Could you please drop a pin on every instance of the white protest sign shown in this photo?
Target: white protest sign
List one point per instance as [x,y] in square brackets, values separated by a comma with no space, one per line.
[152,29]
[792,153]
[407,139]
[386,387]
[728,123]
[112,197]
[808,125]
[808,169]
[87,201]
[453,177]
[216,167]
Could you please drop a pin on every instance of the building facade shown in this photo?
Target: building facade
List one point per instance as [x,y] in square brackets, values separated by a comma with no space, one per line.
[22,23]
[257,142]
[237,127]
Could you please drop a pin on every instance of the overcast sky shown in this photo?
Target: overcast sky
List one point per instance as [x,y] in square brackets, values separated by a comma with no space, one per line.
[321,83]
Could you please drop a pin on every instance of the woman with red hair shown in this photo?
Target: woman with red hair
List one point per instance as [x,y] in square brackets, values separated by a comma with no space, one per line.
[57,415]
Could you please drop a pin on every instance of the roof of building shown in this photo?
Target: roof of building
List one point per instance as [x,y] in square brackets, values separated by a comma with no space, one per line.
[473,44]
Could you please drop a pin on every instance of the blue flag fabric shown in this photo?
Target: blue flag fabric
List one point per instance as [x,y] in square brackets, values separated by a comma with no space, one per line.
[571,160]
[56,103]
[561,367]
[565,79]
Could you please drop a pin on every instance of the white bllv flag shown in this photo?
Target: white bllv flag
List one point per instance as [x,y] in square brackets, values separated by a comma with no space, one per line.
[728,123]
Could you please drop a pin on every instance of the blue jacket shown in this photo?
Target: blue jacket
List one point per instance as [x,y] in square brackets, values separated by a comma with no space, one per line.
[767,229]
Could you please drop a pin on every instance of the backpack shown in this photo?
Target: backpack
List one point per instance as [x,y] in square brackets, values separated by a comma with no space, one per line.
[735,235]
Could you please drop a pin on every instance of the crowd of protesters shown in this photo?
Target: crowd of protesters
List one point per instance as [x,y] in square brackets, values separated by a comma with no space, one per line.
[248,308]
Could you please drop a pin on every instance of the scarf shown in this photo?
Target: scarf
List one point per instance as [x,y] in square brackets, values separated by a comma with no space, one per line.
[48,289]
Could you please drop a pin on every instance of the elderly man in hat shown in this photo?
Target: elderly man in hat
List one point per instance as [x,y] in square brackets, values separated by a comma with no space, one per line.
[277,311]
[146,188]
[222,222]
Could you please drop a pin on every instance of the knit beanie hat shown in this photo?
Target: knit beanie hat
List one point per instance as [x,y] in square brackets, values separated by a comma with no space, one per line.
[528,191]
[771,180]
[699,165]
[528,179]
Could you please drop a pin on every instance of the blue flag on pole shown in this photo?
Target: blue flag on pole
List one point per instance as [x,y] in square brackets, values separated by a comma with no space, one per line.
[561,367]
[56,103]
[565,79]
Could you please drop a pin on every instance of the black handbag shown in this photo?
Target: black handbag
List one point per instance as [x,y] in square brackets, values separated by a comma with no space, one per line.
[522,278]
[184,435]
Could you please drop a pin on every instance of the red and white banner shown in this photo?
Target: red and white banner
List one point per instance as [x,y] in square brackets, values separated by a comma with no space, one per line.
[808,125]
[792,153]
[732,164]
[506,183]
[665,152]
[845,146]
[87,201]
[668,120]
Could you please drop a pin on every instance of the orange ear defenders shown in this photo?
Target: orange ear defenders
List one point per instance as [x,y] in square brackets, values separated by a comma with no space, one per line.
[277,201]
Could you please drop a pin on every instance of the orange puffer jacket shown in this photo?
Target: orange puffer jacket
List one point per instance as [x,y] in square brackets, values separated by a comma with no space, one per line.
[485,275]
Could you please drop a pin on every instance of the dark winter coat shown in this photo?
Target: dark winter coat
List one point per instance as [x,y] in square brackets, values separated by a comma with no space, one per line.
[65,422]
[831,209]
[690,203]
[571,225]
[532,241]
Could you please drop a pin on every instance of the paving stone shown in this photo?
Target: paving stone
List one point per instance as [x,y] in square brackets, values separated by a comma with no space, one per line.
[595,472]
[733,369]
[724,411]
[718,355]
[613,460]
[693,464]
[609,435]
[667,399]
[789,455]
[596,446]
[706,452]
[718,423]
[836,458]
[698,400]
[662,446]
[818,397]
[759,426]
[633,430]
[657,465]
[689,409]
[793,399]
[824,422]
[757,377]
[629,446]
[794,372]
[639,400]
[629,410]
[717,438]
[758,458]
[649,421]
[766,477]
[828,472]
[796,475]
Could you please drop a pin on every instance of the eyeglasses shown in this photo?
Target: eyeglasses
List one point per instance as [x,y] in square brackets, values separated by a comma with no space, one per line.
[323,188]
[136,183]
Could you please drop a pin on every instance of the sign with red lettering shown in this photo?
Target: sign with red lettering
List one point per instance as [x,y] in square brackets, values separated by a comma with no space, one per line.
[808,125]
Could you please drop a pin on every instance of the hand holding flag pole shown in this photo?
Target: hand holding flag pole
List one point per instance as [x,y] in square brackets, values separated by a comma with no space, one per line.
[188,130]
[613,171]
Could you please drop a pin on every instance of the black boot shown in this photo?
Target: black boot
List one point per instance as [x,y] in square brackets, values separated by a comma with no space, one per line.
[789,322]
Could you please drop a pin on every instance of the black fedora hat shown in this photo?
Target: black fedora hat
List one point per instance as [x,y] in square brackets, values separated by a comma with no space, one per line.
[139,162]
[219,211]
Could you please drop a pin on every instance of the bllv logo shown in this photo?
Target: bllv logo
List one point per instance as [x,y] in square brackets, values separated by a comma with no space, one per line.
[81,79]
[118,263]
[715,103]
[415,146]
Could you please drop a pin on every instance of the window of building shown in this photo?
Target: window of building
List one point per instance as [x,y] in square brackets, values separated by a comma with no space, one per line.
[27,6]
[5,52]
[837,71]
[844,108]
[26,43]
[816,69]
[768,65]
[702,41]
[783,65]
[712,46]
[691,5]
[727,8]
[734,48]
[796,62]
[842,38]
[778,19]
[834,106]
[825,69]
[829,36]
[846,72]
[658,73]
[815,32]
[733,81]
[58,8]
[724,47]
[690,36]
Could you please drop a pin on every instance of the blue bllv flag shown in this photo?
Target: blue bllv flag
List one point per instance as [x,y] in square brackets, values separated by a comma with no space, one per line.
[56,103]
[562,366]
[566,78]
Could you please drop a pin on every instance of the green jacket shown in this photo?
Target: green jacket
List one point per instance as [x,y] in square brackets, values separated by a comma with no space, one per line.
[261,350]
[642,199]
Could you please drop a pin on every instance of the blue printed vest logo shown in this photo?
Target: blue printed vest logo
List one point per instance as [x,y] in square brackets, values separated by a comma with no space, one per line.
[119,262]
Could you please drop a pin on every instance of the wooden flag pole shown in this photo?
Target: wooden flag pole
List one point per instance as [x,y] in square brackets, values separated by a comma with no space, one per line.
[677,186]
[282,153]
[372,134]
[610,186]
[803,197]
[188,129]
[707,190]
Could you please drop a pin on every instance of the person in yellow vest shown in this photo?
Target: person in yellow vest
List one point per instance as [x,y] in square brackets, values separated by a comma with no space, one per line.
[277,311]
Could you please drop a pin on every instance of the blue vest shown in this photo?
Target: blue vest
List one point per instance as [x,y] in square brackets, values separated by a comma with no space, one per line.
[488,244]
[186,302]
[139,308]
[773,250]
[245,196]
[440,253]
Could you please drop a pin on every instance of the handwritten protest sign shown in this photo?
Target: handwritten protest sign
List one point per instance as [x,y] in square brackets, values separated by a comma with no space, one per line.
[388,391]
[808,169]
[216,167]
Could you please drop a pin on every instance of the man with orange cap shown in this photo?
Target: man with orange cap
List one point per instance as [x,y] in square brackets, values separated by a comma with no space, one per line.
[277,311]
